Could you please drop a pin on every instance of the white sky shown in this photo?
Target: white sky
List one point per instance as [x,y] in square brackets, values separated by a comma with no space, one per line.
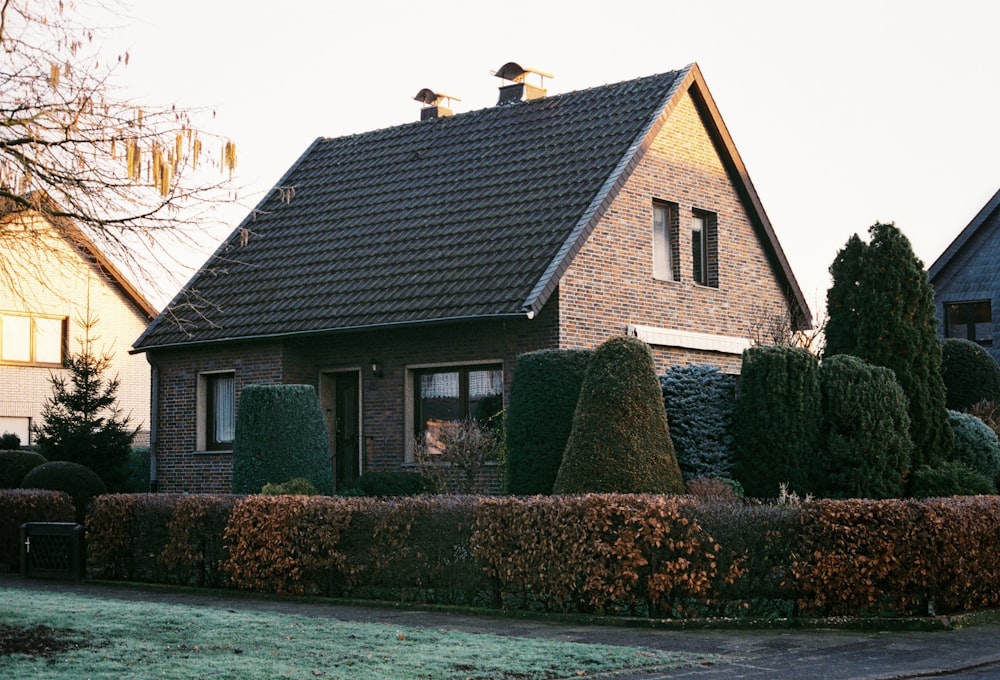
[845,113]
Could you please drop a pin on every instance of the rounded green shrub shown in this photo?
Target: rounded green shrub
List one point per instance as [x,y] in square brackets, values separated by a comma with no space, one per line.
[620,441]
[700,401]
[949,479]
[386,483]
[776,425]
[976,444]
[9,441]
[299,486]
[865,433]
[79,481]
[14,465]
[540,410]
[280,435]
[969,372]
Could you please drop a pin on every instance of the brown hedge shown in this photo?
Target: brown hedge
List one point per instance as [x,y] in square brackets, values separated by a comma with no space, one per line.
[127,532]
[195,550]
[596,552]
[18,506]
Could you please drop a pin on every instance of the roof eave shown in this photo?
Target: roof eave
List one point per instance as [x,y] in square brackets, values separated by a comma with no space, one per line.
[963,237]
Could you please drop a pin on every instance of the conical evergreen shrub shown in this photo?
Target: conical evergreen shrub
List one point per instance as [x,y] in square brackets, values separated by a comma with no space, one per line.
[620,441]
[280,435]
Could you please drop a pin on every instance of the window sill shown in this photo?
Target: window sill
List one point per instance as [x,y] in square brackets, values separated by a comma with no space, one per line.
[212,452]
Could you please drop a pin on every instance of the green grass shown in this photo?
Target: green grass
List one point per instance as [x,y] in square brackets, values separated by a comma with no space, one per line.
[154,640]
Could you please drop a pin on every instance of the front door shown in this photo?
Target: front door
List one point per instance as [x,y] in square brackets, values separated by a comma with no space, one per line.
[342,408]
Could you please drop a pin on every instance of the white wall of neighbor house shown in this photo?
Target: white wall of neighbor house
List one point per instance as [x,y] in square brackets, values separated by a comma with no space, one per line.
[45,277]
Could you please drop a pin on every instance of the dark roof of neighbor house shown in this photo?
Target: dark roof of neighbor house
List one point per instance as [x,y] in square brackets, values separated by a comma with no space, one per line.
[986,215]
[475,215]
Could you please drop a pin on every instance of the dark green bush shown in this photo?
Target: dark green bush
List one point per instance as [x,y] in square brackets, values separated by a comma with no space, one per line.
[951,478]
[280,435]
[543,398]
[976,444]
[700,402]
[14,465]
[969,372]
[385,483]
[137,480]
[18,506]
[865,433]
[620,441]
[777,420]
[9,441]
[80,482]
[300,486]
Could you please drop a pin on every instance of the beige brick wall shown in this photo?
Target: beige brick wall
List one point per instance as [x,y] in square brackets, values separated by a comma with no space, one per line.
[610,283]
[49,277]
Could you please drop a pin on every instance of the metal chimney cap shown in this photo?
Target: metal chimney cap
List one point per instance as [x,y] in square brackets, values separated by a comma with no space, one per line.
[431,98]
[515,72]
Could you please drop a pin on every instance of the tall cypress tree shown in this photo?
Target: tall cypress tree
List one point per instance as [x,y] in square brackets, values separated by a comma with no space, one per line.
[881,309]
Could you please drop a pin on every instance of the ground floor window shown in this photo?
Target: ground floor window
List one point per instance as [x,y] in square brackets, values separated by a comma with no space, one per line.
[449,394]
[970,321]
[217,411]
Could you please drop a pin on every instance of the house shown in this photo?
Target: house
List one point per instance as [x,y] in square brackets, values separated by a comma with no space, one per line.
[53,278]
[402,271]
[966,280]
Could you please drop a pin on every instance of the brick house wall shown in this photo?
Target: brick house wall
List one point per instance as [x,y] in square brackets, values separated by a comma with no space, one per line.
[610,283]
[56,280]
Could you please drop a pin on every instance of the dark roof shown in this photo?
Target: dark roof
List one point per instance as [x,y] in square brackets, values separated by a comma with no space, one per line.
[957,246]
[469,216]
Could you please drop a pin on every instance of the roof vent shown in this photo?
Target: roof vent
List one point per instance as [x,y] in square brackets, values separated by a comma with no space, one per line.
[519,90]
[434,108]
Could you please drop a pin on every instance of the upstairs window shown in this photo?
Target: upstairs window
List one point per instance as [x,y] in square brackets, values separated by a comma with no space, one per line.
[704,249]
[665,242]
[32,339]
[451,394]
[970,321]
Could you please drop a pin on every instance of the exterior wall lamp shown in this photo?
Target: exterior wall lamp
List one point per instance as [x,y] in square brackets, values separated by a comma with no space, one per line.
[376,368]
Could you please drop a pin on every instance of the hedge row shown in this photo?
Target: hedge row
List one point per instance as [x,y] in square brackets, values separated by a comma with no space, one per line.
[604,553]
[18,506]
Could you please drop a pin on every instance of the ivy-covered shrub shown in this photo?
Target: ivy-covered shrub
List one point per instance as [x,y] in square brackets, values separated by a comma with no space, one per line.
[300,486]
[80,482]
[280,435]
[951,478]
[700,401]
[865,432]
[976,444]
[540,411]
[969,372]
[385,483]
[18,506]
[777,420]
[15,464]
[620,442]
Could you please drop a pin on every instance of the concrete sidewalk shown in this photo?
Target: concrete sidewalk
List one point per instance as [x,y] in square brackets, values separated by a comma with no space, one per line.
[813,653]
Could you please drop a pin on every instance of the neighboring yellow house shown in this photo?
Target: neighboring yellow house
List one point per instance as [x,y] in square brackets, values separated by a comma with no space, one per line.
[52,278]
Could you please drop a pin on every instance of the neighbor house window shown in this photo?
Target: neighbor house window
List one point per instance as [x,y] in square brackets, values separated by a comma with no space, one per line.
[665,242]
[970,321]
[32,339]
[704,249]
[444,395]
[217,405]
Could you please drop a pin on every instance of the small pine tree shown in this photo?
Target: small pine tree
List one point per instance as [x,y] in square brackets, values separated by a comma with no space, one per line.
[620,442]
[865,435]
[881,309]
[543,399]
[82,421]
[777,420]
[700,402]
